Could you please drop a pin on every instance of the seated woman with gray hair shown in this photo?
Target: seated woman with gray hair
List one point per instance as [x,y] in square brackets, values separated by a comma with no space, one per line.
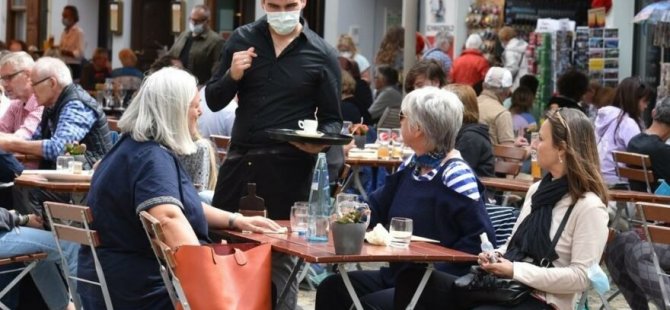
[435,188]
[142,173]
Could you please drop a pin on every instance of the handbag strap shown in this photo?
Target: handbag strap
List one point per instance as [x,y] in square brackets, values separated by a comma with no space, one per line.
[545,260]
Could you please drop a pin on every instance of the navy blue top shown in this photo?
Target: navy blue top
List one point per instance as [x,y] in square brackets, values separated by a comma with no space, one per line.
[134,176]
[444,205]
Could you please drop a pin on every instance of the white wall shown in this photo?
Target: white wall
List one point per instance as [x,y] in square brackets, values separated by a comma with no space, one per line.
[3,20]
[122,41]
[88,21]
[342,17]
[621,16]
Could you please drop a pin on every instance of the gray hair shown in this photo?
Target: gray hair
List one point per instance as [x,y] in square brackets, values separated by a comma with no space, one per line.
[49,66]
[474,41]
[159,110]
[662,111]
[441,38]
[18,60]
[439,114]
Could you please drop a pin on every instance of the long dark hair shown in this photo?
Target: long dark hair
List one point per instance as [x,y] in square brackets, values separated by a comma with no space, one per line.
[572,131]
[627,98]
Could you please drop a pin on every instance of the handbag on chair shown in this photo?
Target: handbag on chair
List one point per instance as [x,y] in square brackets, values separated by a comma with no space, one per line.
[225,276]
[479,287]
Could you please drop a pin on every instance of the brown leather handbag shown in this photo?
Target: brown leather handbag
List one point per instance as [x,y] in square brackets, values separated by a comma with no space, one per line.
[225,276]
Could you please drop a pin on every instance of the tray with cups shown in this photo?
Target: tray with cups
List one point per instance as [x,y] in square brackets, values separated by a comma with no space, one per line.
[308,134]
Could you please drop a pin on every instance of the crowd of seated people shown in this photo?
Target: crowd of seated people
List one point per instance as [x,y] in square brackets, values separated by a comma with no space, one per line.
[450,128]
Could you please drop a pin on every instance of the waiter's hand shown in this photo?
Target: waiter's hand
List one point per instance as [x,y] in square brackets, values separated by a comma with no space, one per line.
[309,147]
[241,62]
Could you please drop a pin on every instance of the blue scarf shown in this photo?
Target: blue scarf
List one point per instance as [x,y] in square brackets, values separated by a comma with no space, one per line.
[430,160]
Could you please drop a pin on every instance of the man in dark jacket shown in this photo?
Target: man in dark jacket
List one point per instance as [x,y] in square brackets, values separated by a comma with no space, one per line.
[22,234]
[199,48]
[475,146]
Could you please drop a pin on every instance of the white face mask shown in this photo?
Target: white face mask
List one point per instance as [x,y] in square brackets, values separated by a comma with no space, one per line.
[196,29]
[345,54]
[283,22]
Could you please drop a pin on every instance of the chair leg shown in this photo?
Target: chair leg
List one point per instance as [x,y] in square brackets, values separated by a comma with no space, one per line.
[18,278]
[582,300]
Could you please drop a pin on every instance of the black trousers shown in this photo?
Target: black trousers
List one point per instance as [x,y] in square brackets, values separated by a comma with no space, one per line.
[282,174]
[438,293]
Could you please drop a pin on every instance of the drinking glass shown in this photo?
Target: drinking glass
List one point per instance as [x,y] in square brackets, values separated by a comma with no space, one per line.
[299,217]
[109,94]
[401,232]
[346,125]
[63,162]
[383,141]
[345,203]
[396,143]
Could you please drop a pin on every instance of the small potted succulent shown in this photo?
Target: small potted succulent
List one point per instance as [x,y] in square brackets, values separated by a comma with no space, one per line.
[359,131]
[78,151]
[349,231]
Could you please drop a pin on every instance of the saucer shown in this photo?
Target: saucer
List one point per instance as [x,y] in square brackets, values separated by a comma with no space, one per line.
[309,134]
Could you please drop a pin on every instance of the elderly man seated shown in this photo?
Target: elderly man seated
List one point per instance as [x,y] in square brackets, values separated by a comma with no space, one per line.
[24,113]
[70,115]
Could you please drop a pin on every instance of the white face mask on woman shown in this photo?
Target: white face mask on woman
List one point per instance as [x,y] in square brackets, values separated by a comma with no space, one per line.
[283,22]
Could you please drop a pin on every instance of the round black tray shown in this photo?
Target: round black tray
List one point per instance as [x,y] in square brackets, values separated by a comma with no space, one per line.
[290,135]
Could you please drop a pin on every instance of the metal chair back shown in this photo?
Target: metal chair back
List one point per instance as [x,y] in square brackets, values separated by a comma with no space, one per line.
[654,216]
[64,220]
[165,259]
[635,167]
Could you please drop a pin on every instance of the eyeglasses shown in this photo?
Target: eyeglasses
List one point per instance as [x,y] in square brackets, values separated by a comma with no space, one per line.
[8,78]
[401,115]
[40,81]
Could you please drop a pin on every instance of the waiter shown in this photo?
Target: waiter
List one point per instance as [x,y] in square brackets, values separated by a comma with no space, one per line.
[282,72]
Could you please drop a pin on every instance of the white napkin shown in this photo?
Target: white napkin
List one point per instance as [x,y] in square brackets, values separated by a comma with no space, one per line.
[378,236]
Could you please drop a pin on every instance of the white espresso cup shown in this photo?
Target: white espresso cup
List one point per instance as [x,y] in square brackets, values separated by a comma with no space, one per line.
[308,125]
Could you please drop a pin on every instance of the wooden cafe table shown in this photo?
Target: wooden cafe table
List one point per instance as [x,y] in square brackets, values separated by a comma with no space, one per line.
[616,195]
[36,179]
[295,245]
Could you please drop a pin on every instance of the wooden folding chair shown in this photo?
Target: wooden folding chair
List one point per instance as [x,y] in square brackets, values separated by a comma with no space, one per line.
[165,259]
[634,167]
[653,216]
[635,172]
[59,213]
[221,143]
[508,161]
[29,261]
[390,118]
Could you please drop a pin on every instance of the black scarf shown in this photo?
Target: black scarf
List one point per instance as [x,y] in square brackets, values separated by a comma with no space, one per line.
[531,238]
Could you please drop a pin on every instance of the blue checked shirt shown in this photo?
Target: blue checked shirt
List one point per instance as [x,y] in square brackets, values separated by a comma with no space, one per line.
[441,58]
[75,121]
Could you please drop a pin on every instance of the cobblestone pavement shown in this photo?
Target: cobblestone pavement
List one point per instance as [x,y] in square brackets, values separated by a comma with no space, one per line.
[306,297]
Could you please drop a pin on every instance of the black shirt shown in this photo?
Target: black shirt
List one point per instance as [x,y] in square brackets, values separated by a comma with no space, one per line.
[277,92]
